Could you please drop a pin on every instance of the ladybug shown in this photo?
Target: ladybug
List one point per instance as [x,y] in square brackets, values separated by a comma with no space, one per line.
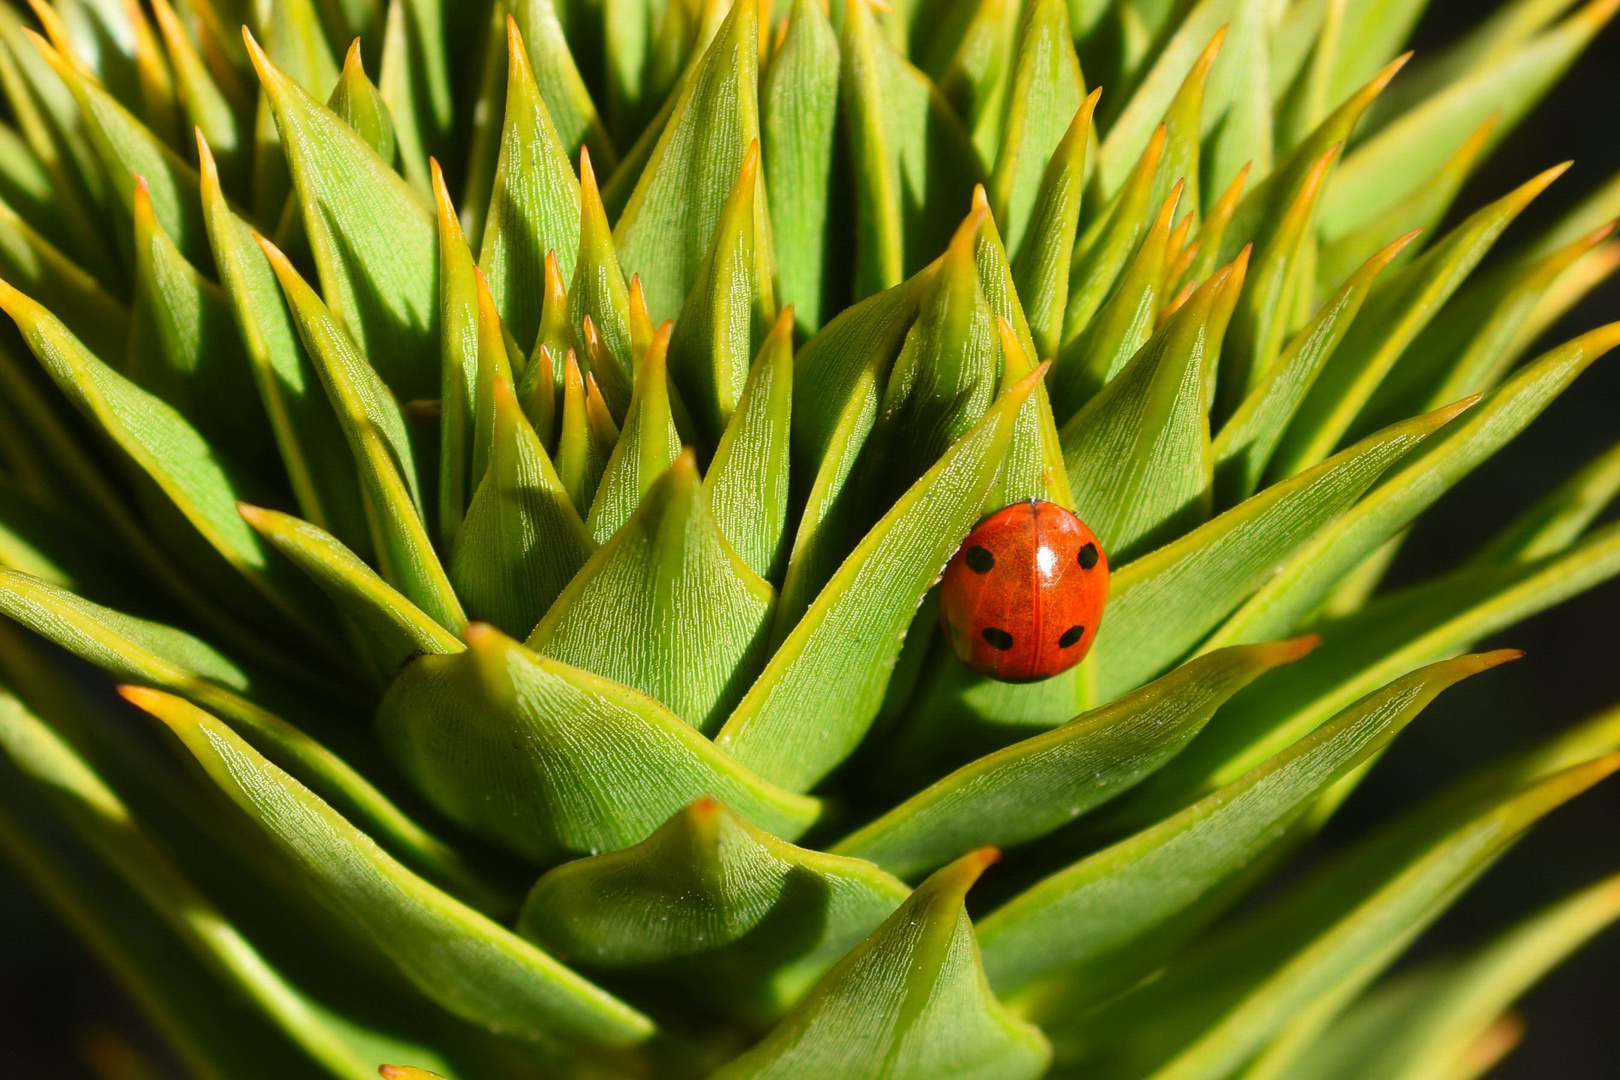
[1023,594]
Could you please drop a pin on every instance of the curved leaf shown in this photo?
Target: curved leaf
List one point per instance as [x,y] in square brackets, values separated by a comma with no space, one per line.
[371,233]
[375,430]
[646,447]
[307,432]
[696,615]
[596,766]
[712,900]
[1164,603]
[1097,908]
[454,955]
[535,207]
[393,628]
[664,232]
[1300,583]
[908,1003]
[821,690]
[1026,790]
[730,308]
[1401,306]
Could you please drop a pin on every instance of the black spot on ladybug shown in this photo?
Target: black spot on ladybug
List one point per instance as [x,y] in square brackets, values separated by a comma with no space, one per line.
[1088,556]
[1071,637]
[979,560]
[998,638]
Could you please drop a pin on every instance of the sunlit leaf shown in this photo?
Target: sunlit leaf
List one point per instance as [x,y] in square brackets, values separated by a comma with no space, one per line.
[598,766]
[909,1002]
[713,900]
[747,479]
[664,232]
[534,210]
[799,719]
[1097,908]
[459,958]
[372,236]
[1026,790]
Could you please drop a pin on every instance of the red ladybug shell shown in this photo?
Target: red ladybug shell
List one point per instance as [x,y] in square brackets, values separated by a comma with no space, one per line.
[1023,595]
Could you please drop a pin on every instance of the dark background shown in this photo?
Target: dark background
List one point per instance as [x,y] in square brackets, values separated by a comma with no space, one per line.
[55,1001]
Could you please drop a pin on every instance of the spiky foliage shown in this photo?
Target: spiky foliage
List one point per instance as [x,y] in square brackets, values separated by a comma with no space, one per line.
[512,464]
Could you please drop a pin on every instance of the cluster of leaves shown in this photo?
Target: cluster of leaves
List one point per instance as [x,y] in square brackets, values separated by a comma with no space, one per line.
[586,531]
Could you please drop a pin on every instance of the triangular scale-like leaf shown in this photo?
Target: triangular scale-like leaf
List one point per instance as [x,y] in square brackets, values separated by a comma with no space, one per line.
[1244,137]
[598,291]
[664,232]
[1097,908]
[1161,605]
[357,102]
[1481,333]
[838,382]
[944,378]
[568,102]
[1121,326]
[1020,793]
[970,57]
[393,628]
[716,901]
[581,455]
[908,1003]
[730,308]
[1279,280]
[1043,95]
[536,202]
[306,429]
[1398,309]
[1306,577]
[1033,468]
[1184,133]
[1423,209]
[598,766]
[1106,245]
[522,540]
[422,40]
[458,957]
[1246,442]
[647,445]
[1042,263]
[1385,168]
[798,121]
[909,151]
[1138,455]
[699,614]
[748,476]
[1262,206]
[458,365]
[1131,128]
[184,346]
[381,448]
[373,237]
[798,721]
